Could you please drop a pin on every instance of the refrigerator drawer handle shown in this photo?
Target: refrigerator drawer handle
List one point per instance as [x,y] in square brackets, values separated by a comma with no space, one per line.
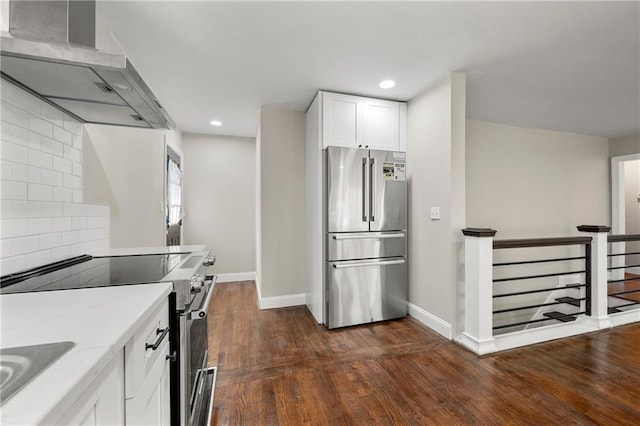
[367,237]
[358,265]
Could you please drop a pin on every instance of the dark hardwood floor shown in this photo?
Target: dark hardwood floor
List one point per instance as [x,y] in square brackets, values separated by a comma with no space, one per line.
[280,367]
[634,284]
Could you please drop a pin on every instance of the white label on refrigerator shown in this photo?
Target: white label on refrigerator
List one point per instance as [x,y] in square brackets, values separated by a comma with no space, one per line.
[399,171]
[388,170]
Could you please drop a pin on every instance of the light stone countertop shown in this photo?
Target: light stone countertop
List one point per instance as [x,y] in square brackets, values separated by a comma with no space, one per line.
[99,321]
[130,251]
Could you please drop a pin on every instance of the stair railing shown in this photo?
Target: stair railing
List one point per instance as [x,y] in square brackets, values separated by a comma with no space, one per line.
[623,290]
[582,266]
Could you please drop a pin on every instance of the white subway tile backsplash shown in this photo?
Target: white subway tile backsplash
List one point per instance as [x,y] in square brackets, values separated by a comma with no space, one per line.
[60,252]
[73,182]
[52,147]
[38,226]
[61,224]
[24,173]
[38,258]
[51,209]
[5,247]
[77,141]
[77,169]
[39,159]
[52,178]
[62,135]
[72,153]
[13,152]
[71,237]
[12,264]
[62,194]
[11,228]
[26,137]
[41,126]
[24,245]
[27,209]
[73,127]
[6,209]
[52,114]
[62,165]
[5,170]
[87,210]
[6,90]
[13,190]
[41,211]
[71,209]
[79,222]
[6,131]
[52,240]
[14,115]
[27,102]
[40,192]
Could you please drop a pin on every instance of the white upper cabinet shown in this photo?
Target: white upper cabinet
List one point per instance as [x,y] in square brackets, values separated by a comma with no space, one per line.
[358,122]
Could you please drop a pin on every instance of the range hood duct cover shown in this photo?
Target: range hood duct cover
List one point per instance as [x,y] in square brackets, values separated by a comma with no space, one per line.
[51,53]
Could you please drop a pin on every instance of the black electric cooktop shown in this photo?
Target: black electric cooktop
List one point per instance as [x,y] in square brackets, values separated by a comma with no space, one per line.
[86,272]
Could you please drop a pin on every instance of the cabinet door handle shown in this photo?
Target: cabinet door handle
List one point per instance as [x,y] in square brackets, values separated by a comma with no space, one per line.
[156,345]
[172,357]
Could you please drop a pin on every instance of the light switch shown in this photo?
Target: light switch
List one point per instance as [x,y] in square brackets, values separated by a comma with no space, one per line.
[435,213]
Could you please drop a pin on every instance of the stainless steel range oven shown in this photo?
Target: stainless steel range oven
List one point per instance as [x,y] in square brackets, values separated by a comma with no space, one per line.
[192,382]
[193,289]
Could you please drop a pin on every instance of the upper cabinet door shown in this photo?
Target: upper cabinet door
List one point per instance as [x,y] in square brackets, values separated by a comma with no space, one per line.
[357,122]
[380,124]
[341,124]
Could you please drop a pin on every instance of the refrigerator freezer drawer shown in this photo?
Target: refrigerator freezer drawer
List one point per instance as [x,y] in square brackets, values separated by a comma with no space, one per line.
[365,291]
[366,245]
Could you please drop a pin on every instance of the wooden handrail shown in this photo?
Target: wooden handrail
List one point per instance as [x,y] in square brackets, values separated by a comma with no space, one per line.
[540,242]
[623,237]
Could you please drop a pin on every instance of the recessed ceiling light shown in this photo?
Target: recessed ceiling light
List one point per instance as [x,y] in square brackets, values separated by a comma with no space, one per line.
[216,123]
[387,84]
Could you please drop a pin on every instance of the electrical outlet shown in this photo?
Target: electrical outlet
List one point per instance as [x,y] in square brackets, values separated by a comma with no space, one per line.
[435,213]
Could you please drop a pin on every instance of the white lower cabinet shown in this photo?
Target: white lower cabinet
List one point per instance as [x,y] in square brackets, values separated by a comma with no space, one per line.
[150,406]
[133,389]
[103,402]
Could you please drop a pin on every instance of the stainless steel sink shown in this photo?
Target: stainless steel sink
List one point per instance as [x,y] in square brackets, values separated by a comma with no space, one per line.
[18,366]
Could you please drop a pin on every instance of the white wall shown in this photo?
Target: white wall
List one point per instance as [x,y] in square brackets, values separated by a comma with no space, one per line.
[282,148]
[126,169]
[435,174]
[624,145]
[258,212]
[43,215]
[632,211]
[219,198]
[535,183]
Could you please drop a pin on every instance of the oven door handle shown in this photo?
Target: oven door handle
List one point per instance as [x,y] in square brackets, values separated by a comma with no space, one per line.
[201,312]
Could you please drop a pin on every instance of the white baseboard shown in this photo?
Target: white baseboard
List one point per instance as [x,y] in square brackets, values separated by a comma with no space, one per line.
[635,271]
[479,347]
[433,322]
[281,301]
[236,276]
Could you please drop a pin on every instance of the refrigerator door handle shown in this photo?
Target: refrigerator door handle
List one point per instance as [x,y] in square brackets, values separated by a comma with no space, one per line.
[361,264]
[367,236]
[372,189]
[364,189]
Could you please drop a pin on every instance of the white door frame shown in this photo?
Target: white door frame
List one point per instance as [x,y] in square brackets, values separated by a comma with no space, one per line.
[618,208]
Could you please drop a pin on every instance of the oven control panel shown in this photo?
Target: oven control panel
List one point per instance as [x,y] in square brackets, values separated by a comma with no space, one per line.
[209,260]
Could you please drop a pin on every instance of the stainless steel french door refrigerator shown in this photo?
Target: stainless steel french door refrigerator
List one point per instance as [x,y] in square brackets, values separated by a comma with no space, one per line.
[365,243]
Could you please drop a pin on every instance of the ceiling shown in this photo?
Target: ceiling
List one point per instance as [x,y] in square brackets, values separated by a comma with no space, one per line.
[564,66]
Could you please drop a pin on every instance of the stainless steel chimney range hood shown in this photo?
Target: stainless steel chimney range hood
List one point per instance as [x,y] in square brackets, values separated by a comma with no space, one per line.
[51,53]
